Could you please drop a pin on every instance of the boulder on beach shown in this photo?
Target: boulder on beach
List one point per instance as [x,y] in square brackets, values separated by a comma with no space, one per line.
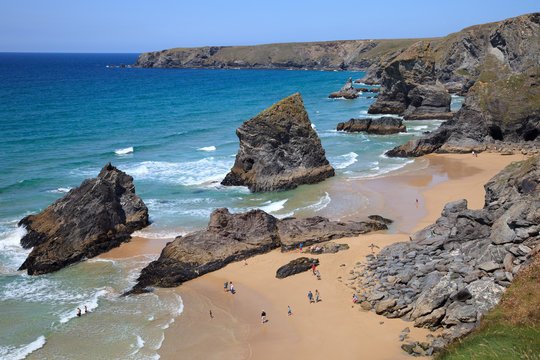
[347,91]
[382,126]
[296,266]
[233,237]
[279,150]
[89,220]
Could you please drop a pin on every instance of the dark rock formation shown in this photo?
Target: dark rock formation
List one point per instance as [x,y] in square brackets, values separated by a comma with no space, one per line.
[296,266]
[347,91]
[279,150]
[454,271]
[89,220]
[233,237]
[308,231]
[409,86]
[506,110]
[428,99]
[384,125]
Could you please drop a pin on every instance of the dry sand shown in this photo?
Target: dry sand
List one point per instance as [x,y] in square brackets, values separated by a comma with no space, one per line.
[332,328]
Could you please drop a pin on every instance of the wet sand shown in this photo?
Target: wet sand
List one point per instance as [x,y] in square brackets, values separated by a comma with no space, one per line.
[333,327]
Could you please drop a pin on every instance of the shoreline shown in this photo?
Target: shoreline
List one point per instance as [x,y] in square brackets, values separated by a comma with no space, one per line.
[236,329]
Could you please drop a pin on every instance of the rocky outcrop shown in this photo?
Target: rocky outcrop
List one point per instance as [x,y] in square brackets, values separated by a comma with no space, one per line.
[232,237]
[347,91]
[409,86]
[383,125]
[503,111]
[279,150]
[308,231]
[296,267]
[454,271]
[89,220]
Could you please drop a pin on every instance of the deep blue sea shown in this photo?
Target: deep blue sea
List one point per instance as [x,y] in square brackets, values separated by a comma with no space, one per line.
[64,116]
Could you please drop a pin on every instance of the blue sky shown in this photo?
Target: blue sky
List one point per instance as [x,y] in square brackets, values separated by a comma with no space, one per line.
[139,26]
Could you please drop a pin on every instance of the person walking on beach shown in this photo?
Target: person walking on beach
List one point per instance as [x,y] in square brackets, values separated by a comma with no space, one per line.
[226,286]
[289,311]
[310,296]
[317,298]
[79,313]
[85,309]
[313,269]
[211,315]
[231,287]
[318,275]
[263,316]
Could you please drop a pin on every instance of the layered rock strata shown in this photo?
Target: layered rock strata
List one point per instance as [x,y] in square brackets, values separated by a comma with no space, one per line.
[89,220]
[279,150]
[232,237]
[454,271]
[506,111]
[382,126]
[347,91]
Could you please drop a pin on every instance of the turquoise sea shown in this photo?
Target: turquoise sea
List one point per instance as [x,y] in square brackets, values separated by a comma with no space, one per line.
[64,116]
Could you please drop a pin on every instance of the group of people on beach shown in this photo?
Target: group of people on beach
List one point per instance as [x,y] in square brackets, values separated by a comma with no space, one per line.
[79,311]
[228,286]
[314,299]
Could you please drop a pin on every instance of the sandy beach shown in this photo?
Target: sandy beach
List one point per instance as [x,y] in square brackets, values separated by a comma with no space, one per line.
[334,327]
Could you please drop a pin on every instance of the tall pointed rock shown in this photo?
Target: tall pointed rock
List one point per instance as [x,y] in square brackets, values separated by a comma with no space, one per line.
[279,150]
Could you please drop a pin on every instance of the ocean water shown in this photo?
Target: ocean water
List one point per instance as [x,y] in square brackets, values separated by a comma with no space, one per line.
[64,116]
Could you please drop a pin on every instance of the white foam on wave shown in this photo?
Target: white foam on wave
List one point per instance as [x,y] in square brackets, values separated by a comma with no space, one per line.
[346,160]
[91,303]
[12,353]
[321,204]
[273,206]
[313,126]
[124,151]
[10,245]
[185,173]
[207,148]
[158,234]
[10,239]
[60,190]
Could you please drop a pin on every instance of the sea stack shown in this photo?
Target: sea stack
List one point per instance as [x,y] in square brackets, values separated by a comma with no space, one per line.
[89,220]
[409,85]
[279,150]
[347,91]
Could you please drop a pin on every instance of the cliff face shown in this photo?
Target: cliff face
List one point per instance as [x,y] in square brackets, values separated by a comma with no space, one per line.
[328,55]
[453,271]
[482,52]
[90,219]
[506,111]
[279,150]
